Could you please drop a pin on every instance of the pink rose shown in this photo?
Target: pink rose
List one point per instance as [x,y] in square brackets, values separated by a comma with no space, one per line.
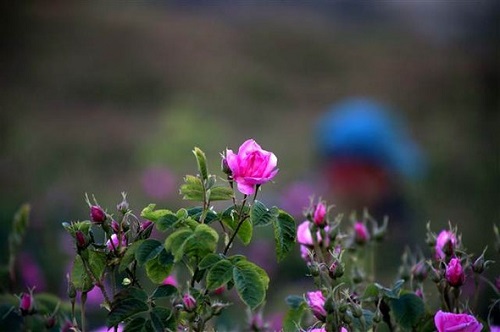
[448,322]
[304,235]
[445,239]
[455,273]
[170,280]
[251,166]
[316,302]
[320,214]
[361,234]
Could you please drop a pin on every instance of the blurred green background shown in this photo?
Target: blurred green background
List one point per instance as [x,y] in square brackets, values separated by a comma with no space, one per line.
[112,96]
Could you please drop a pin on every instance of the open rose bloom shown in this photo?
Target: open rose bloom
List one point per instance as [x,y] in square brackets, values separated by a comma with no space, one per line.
[251,166]
[448,322]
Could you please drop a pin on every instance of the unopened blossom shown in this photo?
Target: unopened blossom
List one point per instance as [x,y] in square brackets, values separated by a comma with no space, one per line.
[319,215]
[189,302]
[361,234]
[97,214]
[316,302]
[113,243]
[27,304]
[448,322]
[446,241]
[251,166]
[455,273]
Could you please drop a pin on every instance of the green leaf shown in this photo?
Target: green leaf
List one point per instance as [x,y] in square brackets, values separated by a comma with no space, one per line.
[371,293]
[166,222]
[157,270]
[123,310]
[175,242]
[150,213]
[148,250]
[197,211]
[192,189]
[201,159]
[392,293]
[208,261]
[164,291]
[407,310]
[166,317]
[245,232]
[135,325]
[293,318]
[202,242]
[249,283]
[219,274]
[294,301]
[79,275]
[284,234]
[221,194]
[260,215]
[129,255]
[130,293]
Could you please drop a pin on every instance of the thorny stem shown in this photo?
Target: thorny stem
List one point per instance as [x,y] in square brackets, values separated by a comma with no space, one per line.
[240,223]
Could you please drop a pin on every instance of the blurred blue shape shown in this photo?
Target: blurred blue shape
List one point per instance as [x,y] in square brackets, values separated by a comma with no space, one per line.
[365,130]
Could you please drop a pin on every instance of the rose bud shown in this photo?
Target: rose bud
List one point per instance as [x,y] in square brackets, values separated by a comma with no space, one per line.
[316,302]
[123,205]
[454,274]
[336,270]
[189,302]
[82,241]
[97,214]
[319,216]
[115,226]
[50,321]
[27,304]
[361,234]
[446,242]
[420,271]
[225,167]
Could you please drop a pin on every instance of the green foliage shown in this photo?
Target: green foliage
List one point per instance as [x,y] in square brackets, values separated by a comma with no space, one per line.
[164,291]
[83,275]
[124,309]
[219,194]
[129,255]
[203,241]
[148,250]
[201,160]
[174,243]
[209,260]
[260,215]
[229,218]
[151,214]
[197,211]
[159,268]
[192,189]
[219,274]
[251,283]
[408,309]
[284,234]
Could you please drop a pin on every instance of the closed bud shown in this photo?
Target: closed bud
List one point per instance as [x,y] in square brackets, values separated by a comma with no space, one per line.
[189,302]
[146,228]
[343,307]
[97,214]
[71,289]
[336,269]
[82,242]
[435,275]
[420,271]
[319,216]
[361,234]
[123,205]
[27,304]
[314,269]
[377,317]
[225,167]
[479,264]
[356,311]
[454,274]
[50,322]
[115,226]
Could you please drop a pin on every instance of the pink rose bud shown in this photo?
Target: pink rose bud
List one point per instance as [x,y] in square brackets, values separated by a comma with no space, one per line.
[316,302]
[304,235]
[336,269]
[115,226]
[445,244]
[447,321]
[81,240]
[113,243]
[220,290]
[123,205]
[97,214]
[320,214]
[225,167]
[454,273]
[361,234]
[27,304]
[251,166]
[420,271]
[189,302]
[170,280]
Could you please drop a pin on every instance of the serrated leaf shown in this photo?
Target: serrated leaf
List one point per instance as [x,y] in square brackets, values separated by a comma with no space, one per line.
[392,293]
[221,194]
[197,211]
[201,160]
[371,293]
[166,317]
[245,232]
[148,250]
[129,255]
[260,215]
[219,274]
[293,318]
[284,234]
[151,214]
[165,258]
[125,309]
[192,189]
[156,322]
[175,242]
[249,283]
[208,261]
[82,281]
[166,222]
[407,310]
[156,271]
[135,325]
[130,293]
[164,291]
[202,242]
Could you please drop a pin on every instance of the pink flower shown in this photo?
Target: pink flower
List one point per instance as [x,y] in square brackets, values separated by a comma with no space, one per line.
[316,302]
[446,240]
[494,328]
[113,243]
[97,214]
[189,302]
[251,166]
[361,234]
[455,273]
[170,280]
[304,253]
[320,329]
[27,303]
[304,235]
[320,214]
[448,322]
